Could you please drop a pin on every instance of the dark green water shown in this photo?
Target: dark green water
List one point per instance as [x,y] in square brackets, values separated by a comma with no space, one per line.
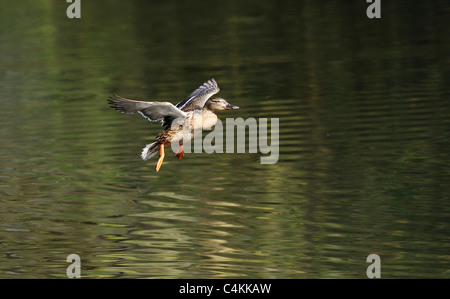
[364,117]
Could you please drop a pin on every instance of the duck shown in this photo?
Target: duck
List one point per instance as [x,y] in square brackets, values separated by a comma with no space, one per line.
[179,121]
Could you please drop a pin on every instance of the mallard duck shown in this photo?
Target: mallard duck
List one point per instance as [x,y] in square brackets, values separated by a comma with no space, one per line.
[178,120]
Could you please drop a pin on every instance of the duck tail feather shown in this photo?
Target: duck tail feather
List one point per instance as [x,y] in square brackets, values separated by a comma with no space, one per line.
[148,151]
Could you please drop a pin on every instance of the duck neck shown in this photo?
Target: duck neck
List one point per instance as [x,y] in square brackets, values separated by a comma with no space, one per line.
[206,111]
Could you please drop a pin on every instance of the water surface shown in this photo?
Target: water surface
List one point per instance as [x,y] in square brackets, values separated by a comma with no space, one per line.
[364,136]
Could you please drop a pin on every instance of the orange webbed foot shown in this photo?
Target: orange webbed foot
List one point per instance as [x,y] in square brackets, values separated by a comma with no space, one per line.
[161,157]
[180,153]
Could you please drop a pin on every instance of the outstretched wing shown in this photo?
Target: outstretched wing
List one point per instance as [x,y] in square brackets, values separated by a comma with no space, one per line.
[152,111]
[198,98]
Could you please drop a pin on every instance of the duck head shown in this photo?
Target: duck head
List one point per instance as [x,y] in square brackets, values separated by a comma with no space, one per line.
[217,104]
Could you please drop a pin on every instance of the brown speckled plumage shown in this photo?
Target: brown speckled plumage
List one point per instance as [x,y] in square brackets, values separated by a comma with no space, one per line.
[180,121]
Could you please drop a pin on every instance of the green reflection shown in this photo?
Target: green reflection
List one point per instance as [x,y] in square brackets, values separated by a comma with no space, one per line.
[363,163]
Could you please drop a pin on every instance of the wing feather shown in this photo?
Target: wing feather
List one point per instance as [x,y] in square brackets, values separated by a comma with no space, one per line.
[153,111]
[198,98]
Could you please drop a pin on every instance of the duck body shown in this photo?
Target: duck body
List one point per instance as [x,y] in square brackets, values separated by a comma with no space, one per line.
[209,119]
[180,122]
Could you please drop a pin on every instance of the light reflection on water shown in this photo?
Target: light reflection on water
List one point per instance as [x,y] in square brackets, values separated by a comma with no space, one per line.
[363,132]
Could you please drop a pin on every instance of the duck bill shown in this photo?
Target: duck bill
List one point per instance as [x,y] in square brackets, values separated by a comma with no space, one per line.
[231,107]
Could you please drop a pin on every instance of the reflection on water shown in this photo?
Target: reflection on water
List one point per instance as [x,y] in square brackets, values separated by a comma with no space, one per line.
[363,164]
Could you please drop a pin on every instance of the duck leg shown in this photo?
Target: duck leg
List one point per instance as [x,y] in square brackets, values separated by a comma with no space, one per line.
[161,157]
[180,153]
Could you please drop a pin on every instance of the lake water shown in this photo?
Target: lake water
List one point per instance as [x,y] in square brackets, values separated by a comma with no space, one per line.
[363,106]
